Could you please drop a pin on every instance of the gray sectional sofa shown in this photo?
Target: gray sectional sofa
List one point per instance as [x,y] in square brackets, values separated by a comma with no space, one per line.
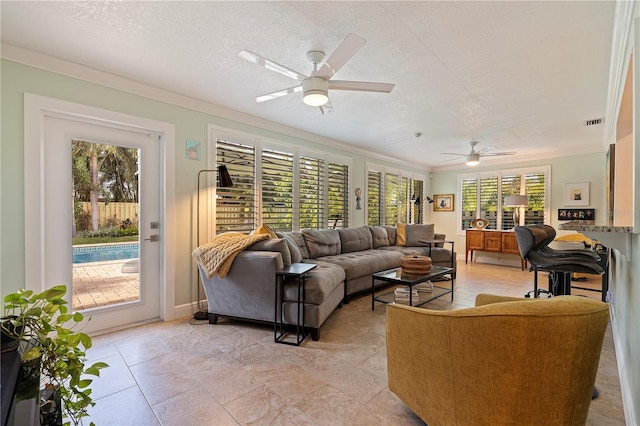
[345,258]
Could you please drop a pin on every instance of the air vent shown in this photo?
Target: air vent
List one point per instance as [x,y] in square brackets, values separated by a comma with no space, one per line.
[594,121]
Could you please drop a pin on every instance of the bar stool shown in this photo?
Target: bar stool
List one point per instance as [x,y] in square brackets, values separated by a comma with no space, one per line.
[532,241]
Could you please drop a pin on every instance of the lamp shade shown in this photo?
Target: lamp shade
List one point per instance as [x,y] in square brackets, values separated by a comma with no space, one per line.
[224,179]
[516,200]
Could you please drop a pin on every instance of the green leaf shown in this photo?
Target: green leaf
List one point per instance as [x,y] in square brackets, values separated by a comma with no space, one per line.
[31,354]
[84,383]
[77,317]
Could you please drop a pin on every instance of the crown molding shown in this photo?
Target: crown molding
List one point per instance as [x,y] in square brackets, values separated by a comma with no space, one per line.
[114,81]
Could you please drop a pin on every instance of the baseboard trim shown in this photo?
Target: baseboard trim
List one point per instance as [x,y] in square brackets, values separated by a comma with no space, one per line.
[621,361]
[188,309]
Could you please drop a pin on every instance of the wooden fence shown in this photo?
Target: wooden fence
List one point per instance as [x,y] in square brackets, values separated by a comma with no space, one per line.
[113,214]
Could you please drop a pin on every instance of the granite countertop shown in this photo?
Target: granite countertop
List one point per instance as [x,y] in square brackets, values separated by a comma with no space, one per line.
[583,226]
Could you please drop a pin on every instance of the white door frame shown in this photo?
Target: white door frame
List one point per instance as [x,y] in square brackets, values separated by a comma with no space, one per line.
[36,108]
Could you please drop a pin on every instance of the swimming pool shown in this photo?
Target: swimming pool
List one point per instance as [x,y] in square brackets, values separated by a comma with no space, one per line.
[103,252]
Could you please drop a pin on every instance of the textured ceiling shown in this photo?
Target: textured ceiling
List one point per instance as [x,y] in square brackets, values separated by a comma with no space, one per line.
[515,76]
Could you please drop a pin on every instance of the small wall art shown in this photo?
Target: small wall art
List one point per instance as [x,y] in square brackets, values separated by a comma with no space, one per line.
[577,214]
[576,194]
[443,202]
[192,151]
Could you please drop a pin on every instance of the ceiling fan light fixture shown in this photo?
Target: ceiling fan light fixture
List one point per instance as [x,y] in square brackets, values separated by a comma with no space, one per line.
[315,91]
[473,159]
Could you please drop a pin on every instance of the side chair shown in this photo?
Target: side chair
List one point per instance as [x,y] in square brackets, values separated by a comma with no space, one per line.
[506,361]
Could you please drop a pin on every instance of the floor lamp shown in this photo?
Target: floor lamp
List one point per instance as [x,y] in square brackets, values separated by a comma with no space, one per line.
[224,181]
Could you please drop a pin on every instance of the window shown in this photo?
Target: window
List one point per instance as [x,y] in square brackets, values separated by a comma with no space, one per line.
[235,206]
[293,192]
[338,199]
[393,197]
[482,196]
[312,193]
[374,198]
[277,189]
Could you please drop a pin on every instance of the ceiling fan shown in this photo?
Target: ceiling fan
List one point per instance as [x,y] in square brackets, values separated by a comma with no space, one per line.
[315,88]
[473,157]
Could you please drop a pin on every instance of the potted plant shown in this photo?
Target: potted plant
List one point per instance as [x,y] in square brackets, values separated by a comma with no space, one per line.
[50,341]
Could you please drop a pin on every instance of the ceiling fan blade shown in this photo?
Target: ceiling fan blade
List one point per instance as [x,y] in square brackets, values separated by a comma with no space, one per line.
[349,46]
[326,108]
[454,153]
[362,86]
[496,154]
[270,65]
[279,93]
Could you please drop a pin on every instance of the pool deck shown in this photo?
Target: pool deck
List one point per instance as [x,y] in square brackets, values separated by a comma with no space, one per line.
[98,284]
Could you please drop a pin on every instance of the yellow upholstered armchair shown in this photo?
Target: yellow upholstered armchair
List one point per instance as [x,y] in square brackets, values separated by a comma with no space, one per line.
[506,361]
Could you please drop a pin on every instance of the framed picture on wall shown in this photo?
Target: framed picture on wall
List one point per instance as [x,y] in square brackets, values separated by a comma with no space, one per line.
[576,194]
[443,203]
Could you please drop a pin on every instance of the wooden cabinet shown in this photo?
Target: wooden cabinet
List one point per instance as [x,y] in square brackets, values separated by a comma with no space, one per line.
[492,241]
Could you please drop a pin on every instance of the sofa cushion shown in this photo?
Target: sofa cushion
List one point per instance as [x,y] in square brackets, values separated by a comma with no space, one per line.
[274,244]
[299,240]
[322,243]
[392,232]
[379,236]
[439,237]
[320,282]
[296,254]
[355,239]
[362,263]
[417,232]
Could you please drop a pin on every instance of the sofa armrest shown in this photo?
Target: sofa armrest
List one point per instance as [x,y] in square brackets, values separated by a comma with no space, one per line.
[248,290]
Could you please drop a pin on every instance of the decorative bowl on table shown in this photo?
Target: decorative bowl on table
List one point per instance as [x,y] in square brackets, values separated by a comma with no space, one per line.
[415,264]
[479,223]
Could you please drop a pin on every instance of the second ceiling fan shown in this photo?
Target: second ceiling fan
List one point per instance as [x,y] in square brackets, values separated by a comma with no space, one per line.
[473,157]
[316,87]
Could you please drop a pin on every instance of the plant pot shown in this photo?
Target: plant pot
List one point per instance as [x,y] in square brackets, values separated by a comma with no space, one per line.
[50,406]
[29,380]
[10,332]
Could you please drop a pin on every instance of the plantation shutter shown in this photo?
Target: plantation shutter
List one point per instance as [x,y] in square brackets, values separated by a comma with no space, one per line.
[405,196]
[235,206]
[535,184]
[391,198]
[489,200]
[313,194]
[277,189]
[510,186]
[374,198]
[338,200]
[469,201]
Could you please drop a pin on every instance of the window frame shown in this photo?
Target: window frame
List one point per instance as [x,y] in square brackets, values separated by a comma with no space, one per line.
[499,173]
[208,211]
[384,170]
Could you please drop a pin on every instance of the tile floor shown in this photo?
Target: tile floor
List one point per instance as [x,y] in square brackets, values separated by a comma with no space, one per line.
[187,372]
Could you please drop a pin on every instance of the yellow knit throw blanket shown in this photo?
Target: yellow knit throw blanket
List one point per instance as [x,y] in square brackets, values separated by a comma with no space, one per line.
[218,255]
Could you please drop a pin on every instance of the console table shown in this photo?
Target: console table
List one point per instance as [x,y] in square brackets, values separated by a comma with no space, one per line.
[492,241]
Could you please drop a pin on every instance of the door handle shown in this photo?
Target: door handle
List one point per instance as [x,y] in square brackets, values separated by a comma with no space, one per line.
[153,238]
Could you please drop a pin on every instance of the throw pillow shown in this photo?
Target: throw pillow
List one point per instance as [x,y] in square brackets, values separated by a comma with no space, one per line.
[379,236]
[417,232]
[264,229]
[296,254]
[274,244]
[401,238]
